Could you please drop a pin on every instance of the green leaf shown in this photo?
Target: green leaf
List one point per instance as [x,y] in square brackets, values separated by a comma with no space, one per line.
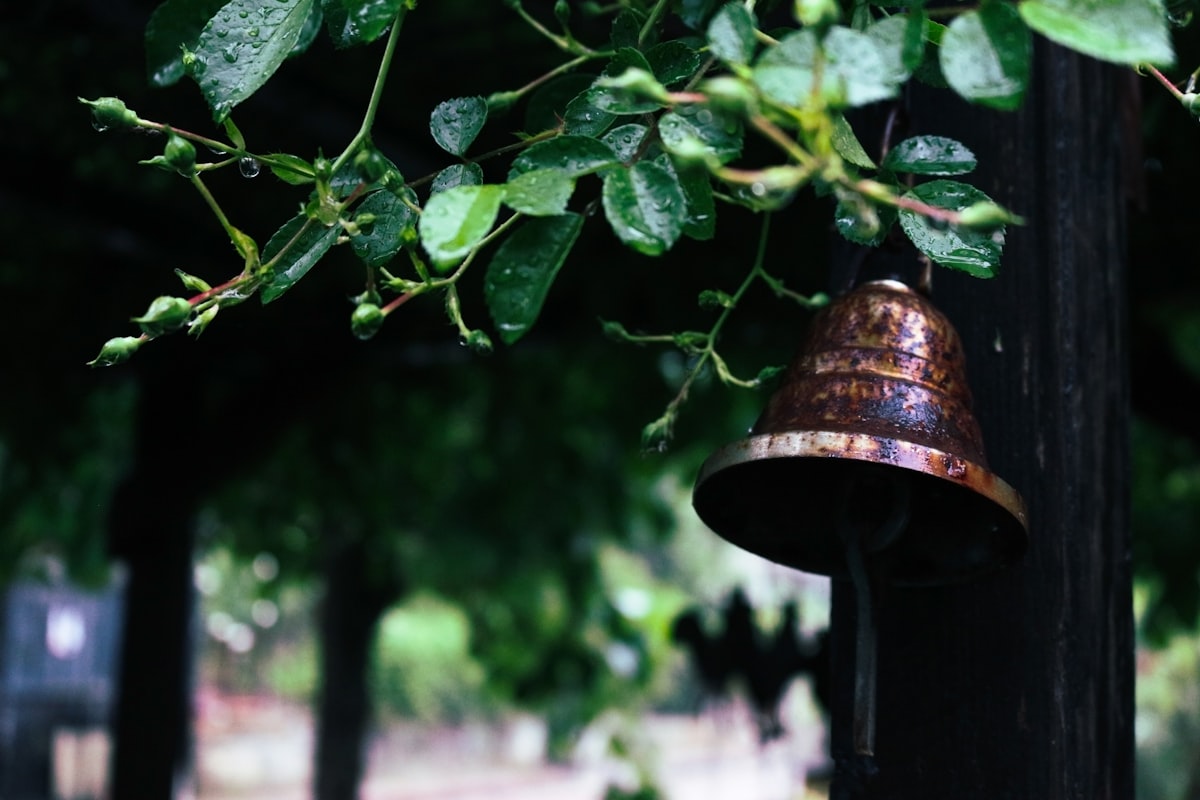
[694,13]
[540,192]
[717,134]
[861,221]
[847,144]
[575,155]
[174,25]
[523,269]
[626,29]
[701,220]
[466,174]
[673,62]
[972,251]
[901,42]
[395,225]
[455,123]
[1127,32]
[930,155]
[243,45]
[626,140]
[312,240]
[456,220]
[645,206]
[582,117]
[292,169]
[853,69]
[352,22]
[731,34]
[985,56]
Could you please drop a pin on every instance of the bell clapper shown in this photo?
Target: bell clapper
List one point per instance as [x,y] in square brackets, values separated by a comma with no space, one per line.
[861,540]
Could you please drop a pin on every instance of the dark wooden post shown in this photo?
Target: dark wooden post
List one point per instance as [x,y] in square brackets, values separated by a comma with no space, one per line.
[1021,686]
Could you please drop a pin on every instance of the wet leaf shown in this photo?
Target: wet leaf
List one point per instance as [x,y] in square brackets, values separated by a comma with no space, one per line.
[395,224]
[985,56]
[292,169]
[701,220]
[626,140]
[174,25]
[717,134]
[574,155]
[354,22]
[466,174]
[930,155]
[311,241]
[540,192]
[456,220]
[901,42]
[1128,32]
[847,144]
[524,267]
[242,47]
[673,62]
[645,206]
[853,69]
[973,251]
[731,34]
[455,123]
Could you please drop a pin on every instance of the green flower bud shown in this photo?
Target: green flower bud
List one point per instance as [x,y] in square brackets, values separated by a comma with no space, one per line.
[562,12]
[110,112]
[818,13]
[180,155]
[371,165]
[731,94]
[478,341]
[986,215]
[614,330]
[1191,101]
[768,374]
[366,320]
[715,298]
[165,315]
[364,222]
[192,282]
[198,325]
[116,350]
[501,101]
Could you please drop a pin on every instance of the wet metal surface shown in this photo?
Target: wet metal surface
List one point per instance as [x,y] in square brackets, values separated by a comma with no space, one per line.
[879,392]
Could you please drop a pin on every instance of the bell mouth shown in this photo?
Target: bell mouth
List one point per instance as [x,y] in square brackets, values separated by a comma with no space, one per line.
[774,495]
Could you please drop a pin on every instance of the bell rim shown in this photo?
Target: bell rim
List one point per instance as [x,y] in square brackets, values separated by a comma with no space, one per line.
[816,444]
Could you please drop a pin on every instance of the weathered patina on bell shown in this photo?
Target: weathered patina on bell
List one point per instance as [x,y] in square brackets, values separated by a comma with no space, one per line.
[871,430]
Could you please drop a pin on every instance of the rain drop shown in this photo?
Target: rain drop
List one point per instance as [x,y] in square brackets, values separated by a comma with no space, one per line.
[230,53]
[100,127]
[222,33]
[243,14]
[253,32]
[758,189]
[704,116]
[249,167]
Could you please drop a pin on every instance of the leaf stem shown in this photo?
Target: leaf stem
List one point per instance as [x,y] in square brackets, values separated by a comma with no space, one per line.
[385,64]
[656,13]
[1170,87]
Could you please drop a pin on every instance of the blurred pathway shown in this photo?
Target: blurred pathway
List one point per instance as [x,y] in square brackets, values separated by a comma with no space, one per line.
[254,749]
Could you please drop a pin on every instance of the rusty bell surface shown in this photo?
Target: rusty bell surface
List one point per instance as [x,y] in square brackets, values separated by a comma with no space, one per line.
[872,423]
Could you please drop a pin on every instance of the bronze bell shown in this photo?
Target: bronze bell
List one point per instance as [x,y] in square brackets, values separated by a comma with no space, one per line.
[872,429]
